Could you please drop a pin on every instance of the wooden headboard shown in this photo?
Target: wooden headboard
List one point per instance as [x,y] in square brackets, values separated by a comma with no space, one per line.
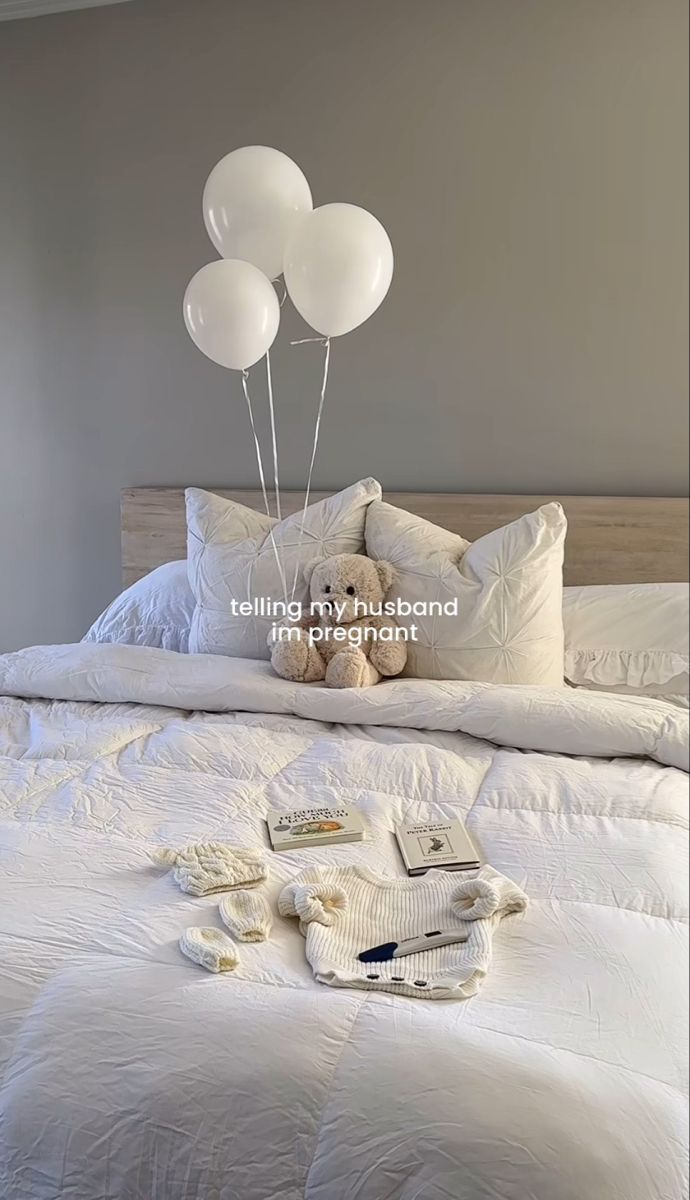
[611,539]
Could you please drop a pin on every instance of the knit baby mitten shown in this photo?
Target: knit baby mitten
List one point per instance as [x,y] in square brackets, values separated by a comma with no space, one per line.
[207,867]
[247,916]
[210,948]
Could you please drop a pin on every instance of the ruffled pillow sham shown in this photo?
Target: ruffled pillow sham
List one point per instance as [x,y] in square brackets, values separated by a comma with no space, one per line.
[155,611]
[629,638]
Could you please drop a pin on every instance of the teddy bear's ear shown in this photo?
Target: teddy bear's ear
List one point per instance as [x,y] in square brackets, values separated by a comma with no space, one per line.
[385,573]
[310,567]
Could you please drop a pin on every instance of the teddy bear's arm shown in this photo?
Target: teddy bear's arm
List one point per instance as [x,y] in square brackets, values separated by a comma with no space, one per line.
[307,621]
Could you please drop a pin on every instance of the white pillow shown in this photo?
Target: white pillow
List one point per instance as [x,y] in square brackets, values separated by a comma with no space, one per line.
[230,557]
[509,589]
[154,611]
[629,638]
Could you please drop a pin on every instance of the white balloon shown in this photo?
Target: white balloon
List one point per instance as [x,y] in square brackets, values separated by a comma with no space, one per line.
[252,199]
[338,267]
[231,312]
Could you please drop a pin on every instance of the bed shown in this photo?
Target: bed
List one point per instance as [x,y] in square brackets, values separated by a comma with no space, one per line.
[130,1074]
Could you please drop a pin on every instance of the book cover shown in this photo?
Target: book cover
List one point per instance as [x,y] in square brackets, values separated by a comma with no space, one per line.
[444,844]
[314,827]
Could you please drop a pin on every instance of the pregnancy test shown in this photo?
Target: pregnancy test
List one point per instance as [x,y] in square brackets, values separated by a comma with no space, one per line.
[413,945]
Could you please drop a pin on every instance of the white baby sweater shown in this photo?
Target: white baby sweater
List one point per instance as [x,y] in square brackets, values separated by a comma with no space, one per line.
[346,910]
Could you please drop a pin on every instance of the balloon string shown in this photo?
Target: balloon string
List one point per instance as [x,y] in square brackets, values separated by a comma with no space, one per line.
[276,484]
[326,342]
[262,480]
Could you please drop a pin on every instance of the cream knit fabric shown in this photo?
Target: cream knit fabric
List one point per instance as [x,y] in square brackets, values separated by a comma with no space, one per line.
[207,867]
[210,948]
[247,915]
[345,910]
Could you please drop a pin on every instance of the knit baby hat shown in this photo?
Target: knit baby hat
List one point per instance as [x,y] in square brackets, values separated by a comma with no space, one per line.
[207,867]
[247,915]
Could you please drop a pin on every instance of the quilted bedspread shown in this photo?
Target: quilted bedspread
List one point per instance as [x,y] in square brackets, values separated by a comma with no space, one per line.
[128,1073]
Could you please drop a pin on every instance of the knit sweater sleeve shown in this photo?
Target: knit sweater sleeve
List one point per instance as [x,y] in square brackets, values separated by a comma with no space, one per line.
[312,897]
[286,899]
[489,894]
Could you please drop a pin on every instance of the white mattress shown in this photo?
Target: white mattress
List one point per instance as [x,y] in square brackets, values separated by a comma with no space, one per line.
[131,1074]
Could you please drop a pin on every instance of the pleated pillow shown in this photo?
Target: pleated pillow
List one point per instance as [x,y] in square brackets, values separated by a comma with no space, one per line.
[507,587]
[231,558]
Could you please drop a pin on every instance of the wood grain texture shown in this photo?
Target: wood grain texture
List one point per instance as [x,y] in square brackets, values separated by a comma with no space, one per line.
[611,539]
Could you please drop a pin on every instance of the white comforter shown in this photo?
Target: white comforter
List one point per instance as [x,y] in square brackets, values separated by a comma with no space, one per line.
[131,1074]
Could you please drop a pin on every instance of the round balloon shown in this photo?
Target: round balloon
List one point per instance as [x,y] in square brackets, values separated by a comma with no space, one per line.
[231,312]
[338,267]
[252,199]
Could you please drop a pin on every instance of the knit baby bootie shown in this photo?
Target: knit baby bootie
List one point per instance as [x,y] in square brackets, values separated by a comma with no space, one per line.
[246,915]
[210,948]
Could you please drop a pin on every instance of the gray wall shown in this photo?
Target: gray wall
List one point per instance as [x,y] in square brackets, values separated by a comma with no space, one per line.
[528,158]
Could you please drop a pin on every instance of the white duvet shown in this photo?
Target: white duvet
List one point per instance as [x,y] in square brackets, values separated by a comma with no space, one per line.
[131,1074]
